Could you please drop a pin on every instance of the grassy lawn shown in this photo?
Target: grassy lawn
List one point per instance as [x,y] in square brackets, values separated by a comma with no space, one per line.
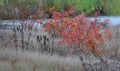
[115,7]
[84,4]
[112,6]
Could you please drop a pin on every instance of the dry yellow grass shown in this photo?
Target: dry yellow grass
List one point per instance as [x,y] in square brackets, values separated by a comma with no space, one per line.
[33,60]
[10,60]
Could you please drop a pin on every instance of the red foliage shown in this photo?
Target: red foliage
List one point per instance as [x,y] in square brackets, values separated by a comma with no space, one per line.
[79,30]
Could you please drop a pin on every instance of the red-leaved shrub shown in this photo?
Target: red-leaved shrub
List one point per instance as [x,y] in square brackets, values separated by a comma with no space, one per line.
[79,31]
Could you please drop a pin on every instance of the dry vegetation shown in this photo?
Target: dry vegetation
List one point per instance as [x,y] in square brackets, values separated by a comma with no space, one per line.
[34,60]
[31,61]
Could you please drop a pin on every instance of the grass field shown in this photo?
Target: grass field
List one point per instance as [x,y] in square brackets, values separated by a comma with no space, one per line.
[30,60]
[112,6]
[115,7]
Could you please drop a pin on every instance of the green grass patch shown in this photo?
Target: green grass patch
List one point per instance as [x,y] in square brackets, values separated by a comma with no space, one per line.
[1,1]
[114,8]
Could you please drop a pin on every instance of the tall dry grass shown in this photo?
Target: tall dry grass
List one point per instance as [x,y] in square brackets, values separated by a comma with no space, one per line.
[112,48]
[10,60]
[32,60]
